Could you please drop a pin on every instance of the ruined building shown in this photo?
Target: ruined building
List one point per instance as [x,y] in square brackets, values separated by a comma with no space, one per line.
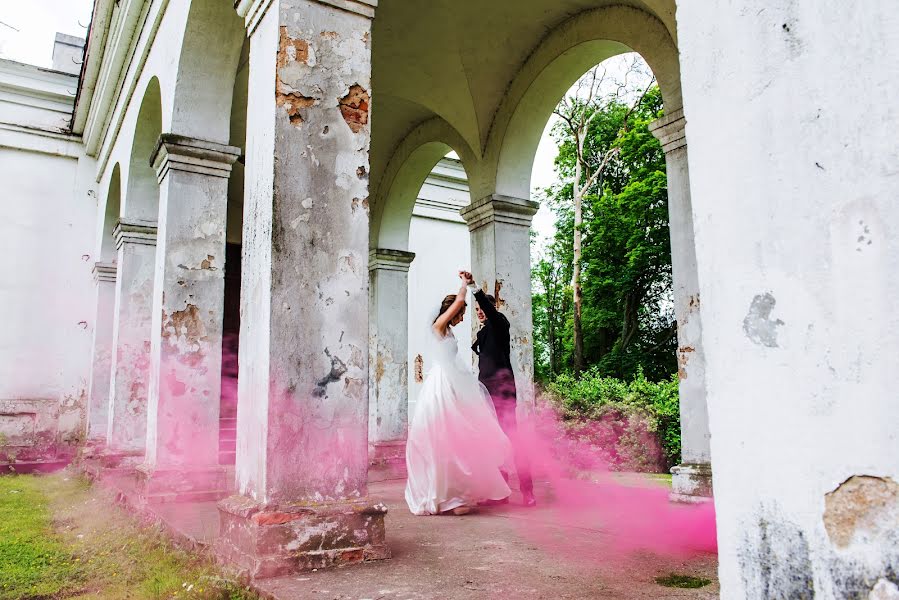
[244,175]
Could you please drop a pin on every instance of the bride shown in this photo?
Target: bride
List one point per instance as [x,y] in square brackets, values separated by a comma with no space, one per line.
[455,445]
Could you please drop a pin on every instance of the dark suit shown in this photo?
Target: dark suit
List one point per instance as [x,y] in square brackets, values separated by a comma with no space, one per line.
[493,347]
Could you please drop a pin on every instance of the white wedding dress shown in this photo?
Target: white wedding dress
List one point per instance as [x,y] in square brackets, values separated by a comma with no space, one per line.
[455,446]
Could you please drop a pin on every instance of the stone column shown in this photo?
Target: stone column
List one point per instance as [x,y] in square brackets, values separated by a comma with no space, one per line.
[500,229]
[186,337]
[98,403]
[129,371]
[692,480]
[302,414]
[388,394]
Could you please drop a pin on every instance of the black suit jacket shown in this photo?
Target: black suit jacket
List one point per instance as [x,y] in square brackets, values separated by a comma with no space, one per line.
[493,347]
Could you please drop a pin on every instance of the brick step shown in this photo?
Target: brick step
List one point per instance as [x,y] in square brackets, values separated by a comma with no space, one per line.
[226,445]
[227,458]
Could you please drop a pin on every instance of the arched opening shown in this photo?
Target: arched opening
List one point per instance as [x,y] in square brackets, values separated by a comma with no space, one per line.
[141,201]
[111,216]
[418,242]
[105,279]
[233,248]
[135,242]
[560,60]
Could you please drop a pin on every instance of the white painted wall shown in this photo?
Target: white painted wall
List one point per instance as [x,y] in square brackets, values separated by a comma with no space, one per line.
[46,247]
[35,97]
[439,238]
[794,171]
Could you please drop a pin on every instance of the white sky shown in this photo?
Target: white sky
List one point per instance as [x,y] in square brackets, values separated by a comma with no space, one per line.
[37,22]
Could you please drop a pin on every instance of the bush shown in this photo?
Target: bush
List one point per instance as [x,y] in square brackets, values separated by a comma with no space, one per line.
[634,426]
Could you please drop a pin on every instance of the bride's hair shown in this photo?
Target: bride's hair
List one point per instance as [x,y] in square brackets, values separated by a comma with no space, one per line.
[447,302]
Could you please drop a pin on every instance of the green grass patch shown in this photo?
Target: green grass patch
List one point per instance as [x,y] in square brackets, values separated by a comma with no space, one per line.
[34,561]
[675,580]
[95,549]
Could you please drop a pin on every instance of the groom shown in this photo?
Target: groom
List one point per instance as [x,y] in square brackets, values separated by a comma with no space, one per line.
[495,372]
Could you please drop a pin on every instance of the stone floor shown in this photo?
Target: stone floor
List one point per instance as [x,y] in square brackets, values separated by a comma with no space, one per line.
[494,553]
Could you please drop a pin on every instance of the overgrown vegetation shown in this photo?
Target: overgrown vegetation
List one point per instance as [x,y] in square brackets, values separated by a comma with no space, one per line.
[610,369]
[631,425]
[60,538]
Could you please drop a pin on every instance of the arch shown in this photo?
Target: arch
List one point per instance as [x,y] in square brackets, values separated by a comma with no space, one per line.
[141,200]
[558,61]
[207,66]
[111,215]
[407,169]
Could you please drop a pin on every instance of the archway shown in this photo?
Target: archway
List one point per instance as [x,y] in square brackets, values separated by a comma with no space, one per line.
[557,62]
[415,216]
[104,272]
[135,241]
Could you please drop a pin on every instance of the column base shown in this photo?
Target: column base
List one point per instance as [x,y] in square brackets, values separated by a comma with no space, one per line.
[190,484]
[268,541]
[691,483]
[98,460]
[387,460]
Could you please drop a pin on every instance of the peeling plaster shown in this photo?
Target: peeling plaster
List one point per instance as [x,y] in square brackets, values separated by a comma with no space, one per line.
[861,506]
[758,325]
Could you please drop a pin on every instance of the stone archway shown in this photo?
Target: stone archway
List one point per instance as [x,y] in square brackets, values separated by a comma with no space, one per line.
[135,240]
[558,61]
[104,272]
[393,316]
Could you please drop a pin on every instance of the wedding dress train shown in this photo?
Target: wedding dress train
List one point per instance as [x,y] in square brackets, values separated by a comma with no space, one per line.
[455,446]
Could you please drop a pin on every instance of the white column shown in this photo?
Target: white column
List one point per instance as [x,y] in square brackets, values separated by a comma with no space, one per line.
[302,413]
[129,369]
[794,171]
[186,336]
[501,262]
[692,479]
[101,351]
[388,393]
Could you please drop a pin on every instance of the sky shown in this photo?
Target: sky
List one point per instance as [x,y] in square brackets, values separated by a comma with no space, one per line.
[28,27]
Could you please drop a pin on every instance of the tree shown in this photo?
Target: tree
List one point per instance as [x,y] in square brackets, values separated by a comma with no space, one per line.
[578,112]
[626,322]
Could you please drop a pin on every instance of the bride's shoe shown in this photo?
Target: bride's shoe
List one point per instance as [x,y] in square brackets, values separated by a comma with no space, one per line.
[461,510]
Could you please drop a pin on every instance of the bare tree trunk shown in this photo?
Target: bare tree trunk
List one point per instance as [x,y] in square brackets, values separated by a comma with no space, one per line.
[576,263]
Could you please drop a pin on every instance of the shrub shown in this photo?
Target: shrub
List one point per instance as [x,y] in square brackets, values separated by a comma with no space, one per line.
[631,425]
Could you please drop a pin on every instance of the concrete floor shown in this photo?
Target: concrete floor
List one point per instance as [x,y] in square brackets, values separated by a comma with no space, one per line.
[507,552]
[492,554]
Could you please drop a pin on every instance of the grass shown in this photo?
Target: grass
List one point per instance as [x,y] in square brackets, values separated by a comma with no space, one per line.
[675,580]
[61,538]
[34,563]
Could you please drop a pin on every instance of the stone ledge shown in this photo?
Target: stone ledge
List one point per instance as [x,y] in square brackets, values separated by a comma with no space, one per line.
[261,540]
[190,484]
[691,483]
[499,209]
[134,232]
[181,153]
[387,259]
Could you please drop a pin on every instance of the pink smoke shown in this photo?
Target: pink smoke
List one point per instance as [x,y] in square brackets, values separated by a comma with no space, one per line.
[581,491]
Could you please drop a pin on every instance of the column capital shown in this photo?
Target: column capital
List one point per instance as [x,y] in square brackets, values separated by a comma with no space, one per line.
[499,209]
[193,155]
[386,259]
[134,232]
[104,271]
[670,130]
[252,11]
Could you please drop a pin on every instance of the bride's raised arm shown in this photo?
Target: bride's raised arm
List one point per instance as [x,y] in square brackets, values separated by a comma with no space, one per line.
[446,316]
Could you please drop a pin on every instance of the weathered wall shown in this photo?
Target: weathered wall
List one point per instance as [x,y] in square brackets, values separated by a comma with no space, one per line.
[47,293]
[791,120]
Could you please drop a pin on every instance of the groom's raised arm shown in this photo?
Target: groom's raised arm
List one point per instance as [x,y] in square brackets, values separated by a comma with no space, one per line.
[497,318]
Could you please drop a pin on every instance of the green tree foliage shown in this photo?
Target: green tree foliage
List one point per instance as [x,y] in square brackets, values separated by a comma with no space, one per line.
[627,314]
